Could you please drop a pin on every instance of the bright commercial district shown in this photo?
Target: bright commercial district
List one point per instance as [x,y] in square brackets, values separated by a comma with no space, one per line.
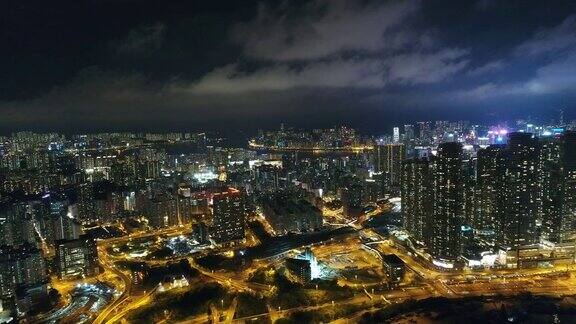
[338,226]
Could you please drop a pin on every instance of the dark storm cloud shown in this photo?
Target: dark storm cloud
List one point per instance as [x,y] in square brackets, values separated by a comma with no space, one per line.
[92,95]
[375,73]
[551,41]
[552,54]
[142,40]
[382,46]
[214,64]
[97,100]
[322,28]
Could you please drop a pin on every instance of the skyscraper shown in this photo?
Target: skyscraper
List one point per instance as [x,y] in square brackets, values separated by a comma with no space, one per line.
[444,239]
[85,193]
[396,134]
[409,140]
[557,188]
[519,212]
[16,225]
[469,164]
[22,266]
[389,159]
[568,186]
[229,216]
[425,136]
[549,190]
[416,191]
[184,207]
[66,227]
[491,167]
[408,132]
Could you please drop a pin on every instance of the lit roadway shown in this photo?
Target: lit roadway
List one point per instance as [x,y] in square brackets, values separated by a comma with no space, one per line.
[169,231]
[121,306]
[143,300]
[110,267]
[489,282]
[429,273]
[536,285]
[437,283]
[446,284]
[232,280]
[123,303]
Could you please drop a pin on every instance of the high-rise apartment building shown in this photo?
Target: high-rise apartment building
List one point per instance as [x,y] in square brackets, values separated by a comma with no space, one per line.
[557,188]
[16,225]
[425,133]
[389,159]
[490,172]
[229,214]
[20,266]
[416,192]
[409,133]
[520,192]
[469,164]
[396,134]
[444,238]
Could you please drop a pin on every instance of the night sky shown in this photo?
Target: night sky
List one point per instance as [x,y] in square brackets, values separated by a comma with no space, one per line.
[229,65]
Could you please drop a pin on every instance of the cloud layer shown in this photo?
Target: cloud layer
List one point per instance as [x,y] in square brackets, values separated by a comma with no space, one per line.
[322,28]
[371,73]
[335,44]
[142,40]
[283,60]
[551,53]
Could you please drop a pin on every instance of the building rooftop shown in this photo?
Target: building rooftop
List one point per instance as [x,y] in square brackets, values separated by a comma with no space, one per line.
[391,259]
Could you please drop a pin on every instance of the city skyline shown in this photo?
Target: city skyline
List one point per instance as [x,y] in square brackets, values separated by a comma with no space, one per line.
[293,161]
[113,227]
[559,119]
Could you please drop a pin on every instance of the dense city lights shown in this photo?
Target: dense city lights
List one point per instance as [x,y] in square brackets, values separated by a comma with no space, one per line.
[294,161]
